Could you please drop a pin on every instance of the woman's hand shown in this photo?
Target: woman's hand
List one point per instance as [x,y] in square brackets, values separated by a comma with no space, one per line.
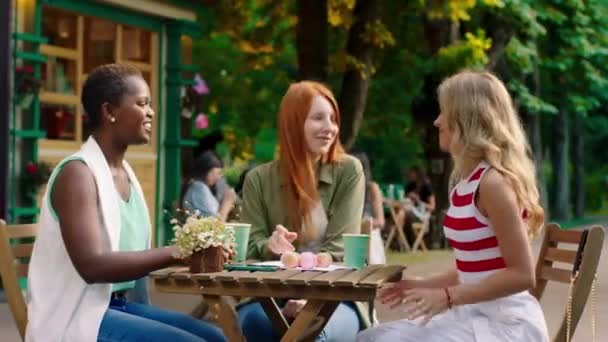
[417,302]
[228,254]
[293,308]
[425,303]
[281,240]
[392,293]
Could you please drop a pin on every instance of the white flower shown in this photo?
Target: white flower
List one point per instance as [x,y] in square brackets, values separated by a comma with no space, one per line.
[199,233]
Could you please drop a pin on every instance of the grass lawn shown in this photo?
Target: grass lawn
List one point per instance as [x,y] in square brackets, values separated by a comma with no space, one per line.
[584,221]
[400,258]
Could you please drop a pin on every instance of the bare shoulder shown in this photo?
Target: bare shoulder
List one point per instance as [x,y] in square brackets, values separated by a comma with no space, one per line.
[75,177]
[495,191]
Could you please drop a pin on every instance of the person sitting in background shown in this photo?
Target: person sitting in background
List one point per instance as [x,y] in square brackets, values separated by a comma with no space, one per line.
[420,198]
[373,211]
[201,193]
[419,190]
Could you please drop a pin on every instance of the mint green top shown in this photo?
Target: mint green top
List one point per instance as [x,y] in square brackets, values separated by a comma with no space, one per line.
[132,216]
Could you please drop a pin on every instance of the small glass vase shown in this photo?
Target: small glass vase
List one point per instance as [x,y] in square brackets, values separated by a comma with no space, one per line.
[208,260]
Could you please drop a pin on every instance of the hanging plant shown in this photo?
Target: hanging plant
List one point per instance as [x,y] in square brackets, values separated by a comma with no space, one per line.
[191,96]
[26,85]
[34,176]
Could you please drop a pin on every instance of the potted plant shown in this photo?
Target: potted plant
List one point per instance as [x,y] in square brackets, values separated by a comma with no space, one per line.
[26,85]
[202,240]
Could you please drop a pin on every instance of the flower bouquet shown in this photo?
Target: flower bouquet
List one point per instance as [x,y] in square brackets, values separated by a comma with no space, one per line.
[202,240]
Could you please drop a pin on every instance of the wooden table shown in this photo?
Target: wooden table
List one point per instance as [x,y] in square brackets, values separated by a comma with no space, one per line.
[322,290]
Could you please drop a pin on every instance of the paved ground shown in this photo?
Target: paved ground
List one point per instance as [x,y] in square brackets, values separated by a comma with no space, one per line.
[553,303]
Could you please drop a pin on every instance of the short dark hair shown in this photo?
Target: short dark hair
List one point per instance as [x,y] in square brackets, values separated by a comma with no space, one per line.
[204,163]
[106,83]
[200,168]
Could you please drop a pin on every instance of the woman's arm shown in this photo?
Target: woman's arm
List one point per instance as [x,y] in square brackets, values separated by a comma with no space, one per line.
[227,204]
[497,200]
[347,208]
[440,280]
[430,205]
[377,206]
[74,198]
[254,213]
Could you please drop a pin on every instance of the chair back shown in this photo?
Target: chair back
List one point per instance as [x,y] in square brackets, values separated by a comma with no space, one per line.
[15,251]
[562,252]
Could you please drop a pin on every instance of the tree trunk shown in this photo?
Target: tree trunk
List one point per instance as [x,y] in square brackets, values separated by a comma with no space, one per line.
[355,83]
[561,183]
[536,143]
[578,159]
[439,163]
[311,40]
[438,33]
[534,132]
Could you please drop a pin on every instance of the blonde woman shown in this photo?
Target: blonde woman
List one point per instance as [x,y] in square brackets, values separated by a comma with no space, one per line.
[493,211]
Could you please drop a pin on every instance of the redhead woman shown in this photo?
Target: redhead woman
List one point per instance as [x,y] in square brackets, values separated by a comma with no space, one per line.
[304,201]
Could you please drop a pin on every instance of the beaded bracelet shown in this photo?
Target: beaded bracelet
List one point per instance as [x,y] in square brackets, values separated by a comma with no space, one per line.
[447,294]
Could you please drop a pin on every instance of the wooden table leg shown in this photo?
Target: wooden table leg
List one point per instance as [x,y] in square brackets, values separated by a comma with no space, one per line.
[313,331]
[226,318]
[276,316]
[302,328]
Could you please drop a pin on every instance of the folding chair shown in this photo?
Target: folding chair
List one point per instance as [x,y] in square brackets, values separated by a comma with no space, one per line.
[396,228]
[420,229]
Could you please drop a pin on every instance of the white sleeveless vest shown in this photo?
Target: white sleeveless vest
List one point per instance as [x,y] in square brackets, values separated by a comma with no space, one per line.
[61,305]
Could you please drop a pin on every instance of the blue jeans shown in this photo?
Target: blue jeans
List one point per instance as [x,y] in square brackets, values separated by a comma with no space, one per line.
[125,321]
[342,326]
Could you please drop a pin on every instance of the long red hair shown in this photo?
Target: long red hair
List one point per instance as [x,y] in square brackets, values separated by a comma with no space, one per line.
[295,160]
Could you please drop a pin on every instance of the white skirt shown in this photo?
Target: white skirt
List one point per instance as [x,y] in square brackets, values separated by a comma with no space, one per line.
[515,318]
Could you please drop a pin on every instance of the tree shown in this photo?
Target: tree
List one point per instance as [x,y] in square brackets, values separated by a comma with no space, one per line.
[312,40]
[573,63]
[366,34]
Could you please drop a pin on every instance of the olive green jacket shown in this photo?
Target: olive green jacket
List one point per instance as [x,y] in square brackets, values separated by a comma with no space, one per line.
[341,190]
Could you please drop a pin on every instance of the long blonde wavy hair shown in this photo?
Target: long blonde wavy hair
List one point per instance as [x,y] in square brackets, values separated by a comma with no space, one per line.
[485,126]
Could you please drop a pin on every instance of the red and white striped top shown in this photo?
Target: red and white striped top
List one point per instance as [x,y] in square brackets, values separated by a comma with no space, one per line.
[470,233]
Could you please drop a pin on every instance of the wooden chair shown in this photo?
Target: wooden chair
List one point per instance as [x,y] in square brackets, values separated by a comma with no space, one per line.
[14,260]
[420,229]
[396,229]
[585,256]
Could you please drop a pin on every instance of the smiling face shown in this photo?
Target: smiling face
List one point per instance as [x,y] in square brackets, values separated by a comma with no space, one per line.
[133,117]
[320,127]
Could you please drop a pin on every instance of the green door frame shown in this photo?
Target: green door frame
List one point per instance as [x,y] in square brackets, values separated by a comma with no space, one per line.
[170,142]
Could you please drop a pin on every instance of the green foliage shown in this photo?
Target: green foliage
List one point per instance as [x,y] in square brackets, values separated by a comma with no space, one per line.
[557,56]
[470,52]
